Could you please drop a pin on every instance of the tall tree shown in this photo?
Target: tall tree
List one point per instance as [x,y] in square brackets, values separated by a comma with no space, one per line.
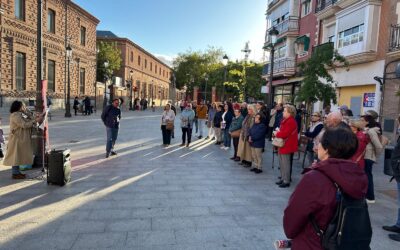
[108,52]
[318,84]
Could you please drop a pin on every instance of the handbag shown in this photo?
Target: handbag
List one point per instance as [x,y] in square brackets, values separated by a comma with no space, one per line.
[236,133]
[280,142]
[169,125]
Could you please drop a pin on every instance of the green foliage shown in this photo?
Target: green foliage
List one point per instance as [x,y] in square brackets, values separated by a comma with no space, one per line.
[107,52]
[323,58]
[241,79]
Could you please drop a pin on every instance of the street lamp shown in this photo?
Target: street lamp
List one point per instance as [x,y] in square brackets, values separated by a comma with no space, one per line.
[274,34]
[68,105]
[151,93]
[225,61]
[205,90]
[105,84]
[130,98]
[95,81]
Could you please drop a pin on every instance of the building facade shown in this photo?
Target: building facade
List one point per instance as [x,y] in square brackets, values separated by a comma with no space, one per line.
[63,24]
[283,15]
[390,109]
[357,29]
[152,79]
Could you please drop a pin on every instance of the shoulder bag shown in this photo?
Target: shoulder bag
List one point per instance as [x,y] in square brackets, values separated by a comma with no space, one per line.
[236,133]
[280,142]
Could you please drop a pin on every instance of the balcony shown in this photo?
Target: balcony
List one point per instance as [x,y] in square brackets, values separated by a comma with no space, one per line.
[271,3]
[289,26]
[394,40]
[282,67]
[326,8]
[324,4]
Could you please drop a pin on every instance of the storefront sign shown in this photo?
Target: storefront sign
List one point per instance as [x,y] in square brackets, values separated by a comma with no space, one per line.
[369,100]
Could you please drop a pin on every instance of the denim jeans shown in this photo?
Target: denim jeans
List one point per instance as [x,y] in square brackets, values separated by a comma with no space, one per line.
[15,170]
[368,171]
[166,135]
[186,132]
[398,204]
[112,134]
[202,124]
[227,138]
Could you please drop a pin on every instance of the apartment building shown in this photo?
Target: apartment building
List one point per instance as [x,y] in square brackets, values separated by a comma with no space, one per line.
[297,26]
[390,34]
[63,23]
[150,76]
[357,30]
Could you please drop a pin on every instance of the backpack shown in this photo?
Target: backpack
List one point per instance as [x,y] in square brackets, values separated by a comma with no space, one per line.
[350,227]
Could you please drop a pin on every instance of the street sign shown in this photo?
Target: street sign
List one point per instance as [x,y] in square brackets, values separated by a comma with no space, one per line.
[264,90]
[369,100]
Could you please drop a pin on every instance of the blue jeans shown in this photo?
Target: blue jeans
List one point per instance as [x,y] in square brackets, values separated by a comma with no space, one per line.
[112,134]
[398,203]
[15,170]
[368,171]
[227,138]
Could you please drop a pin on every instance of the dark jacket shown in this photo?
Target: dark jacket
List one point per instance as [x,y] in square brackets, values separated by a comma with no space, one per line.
[236,123]
[228,119]
[257,133]
[111,116]
[315,132]
[278,118]
[218,119]
[316,194]
[76,104]
[395,160]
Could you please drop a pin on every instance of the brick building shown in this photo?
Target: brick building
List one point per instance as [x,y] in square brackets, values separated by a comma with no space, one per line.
[150,76]
[63,23]
[390,109]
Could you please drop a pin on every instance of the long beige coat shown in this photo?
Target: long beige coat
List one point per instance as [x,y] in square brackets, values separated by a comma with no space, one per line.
[244,149]
[19,148]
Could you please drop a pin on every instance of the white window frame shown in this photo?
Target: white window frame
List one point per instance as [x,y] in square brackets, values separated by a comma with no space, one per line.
[353,36]
[303,8]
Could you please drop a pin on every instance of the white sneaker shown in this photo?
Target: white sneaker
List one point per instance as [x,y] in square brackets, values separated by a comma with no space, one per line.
[226,148]
[370,201]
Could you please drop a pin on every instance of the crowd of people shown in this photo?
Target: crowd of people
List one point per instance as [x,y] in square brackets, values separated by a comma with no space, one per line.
[341,150]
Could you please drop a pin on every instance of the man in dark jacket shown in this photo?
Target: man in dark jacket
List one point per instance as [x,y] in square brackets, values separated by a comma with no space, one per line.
[111,116]
[257,143]
[395,160]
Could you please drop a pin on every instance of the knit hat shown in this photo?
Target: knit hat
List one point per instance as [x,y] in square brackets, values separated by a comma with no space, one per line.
[236,106]
[343,107]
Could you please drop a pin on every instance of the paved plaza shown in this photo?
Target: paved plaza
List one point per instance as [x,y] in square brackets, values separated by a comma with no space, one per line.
[148,197]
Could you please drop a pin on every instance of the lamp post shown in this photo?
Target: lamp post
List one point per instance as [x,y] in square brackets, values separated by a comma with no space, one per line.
[273,33]
[151,93]
[225,61]
[1,23]
[205,90]
[95,81]
[130,95]
[105,84]
[68,105]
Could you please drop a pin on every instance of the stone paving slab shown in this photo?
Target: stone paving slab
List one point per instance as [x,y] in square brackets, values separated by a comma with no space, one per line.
[148,197]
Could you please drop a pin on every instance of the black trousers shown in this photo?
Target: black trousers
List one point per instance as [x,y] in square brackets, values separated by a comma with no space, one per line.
[235,146]
[166,134]
[186,132]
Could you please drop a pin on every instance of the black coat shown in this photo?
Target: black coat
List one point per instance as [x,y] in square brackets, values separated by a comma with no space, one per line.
[218,119]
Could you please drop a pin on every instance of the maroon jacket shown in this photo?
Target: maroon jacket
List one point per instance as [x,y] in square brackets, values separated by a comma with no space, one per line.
[363,140]
[288,132]
[316,194]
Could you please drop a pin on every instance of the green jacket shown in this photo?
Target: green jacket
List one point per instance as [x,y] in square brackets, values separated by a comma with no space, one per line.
[236,123]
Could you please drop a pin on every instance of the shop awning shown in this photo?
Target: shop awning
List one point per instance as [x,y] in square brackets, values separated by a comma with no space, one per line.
[278,82]
[295,79]
[304,40]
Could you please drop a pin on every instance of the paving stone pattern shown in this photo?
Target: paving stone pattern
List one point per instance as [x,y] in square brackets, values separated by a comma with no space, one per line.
[149,197]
